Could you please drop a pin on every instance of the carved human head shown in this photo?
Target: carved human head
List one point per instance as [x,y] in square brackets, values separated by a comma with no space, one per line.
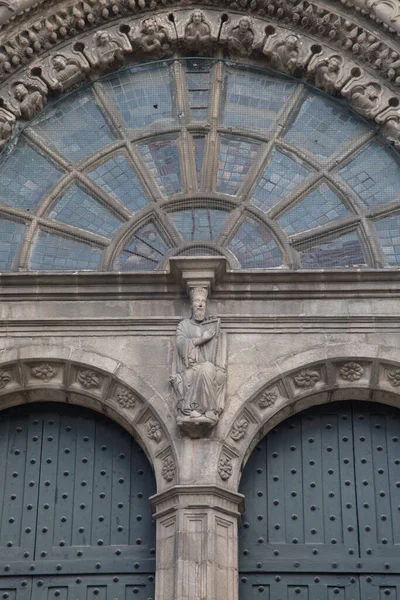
[334,64]
[59,62]
[292,42]
[197,17]
[198,298]
[102,38]
[20,91]
[372,90]
[244,24]
[149,26]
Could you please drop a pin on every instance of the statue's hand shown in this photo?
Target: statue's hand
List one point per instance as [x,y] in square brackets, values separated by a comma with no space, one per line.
[208,334]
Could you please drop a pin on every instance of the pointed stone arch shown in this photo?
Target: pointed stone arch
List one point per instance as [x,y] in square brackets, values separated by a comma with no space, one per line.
[57,374]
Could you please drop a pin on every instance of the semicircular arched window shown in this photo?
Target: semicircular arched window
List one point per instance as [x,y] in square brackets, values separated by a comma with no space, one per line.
[195,157]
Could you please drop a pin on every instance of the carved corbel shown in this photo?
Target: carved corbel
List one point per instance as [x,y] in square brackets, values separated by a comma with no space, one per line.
[368,97]
[242,35]
[25,98]
[197,30]
[288,52]
[106,48]
[60,72]
[153,36]
[7,121]
[330,72]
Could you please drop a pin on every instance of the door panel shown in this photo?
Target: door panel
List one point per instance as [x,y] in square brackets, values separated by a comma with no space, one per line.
[300,587]
[74,490]
[14,588]
[380,587]
[123,587]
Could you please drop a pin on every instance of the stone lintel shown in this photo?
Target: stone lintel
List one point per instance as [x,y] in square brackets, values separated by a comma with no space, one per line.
[198,271]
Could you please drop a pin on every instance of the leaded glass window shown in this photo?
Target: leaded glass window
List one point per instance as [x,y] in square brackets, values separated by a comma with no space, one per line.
[197,156]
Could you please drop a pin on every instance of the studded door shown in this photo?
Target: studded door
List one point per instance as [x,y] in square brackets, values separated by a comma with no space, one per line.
[323,500]
[75,519]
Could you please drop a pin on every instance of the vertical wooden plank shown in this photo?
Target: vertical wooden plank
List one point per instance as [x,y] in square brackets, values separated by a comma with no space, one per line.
[123,471]
[275,487]
[82,518]
[381,483]
[293,482]
[393,451]
[312,473]
[102,483]
[140,515]
[331,484]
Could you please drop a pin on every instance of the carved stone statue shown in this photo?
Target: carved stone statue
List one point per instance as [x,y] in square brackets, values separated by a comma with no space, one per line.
[7,121]
[153,38]
[366,98]
[64,72]
[28,101]
[197,31]
[241,38]
[199,376]
[284,55]
[328,74]
[106,51]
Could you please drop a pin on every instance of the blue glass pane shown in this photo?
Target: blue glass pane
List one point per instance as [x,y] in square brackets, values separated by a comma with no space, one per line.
[344,251]
[374,175]
[53,252]
[143,96]
[282,175]
[199,145]
[236,156]
[118,179]
[26,176]
[323,127]
[253,100]
[388,231]
[318,208]
[199,223]
[74,126]
[11,233]
[162,160]
[254,246]
[77,208]
[199,86]
[144,251]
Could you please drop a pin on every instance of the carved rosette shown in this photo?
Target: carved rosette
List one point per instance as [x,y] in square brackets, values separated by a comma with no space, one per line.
[239,429]
[5,378]
[306,379]
[168,468]
[153,430]
[88,379]
[125,398]
[267,398]
[225,468]
[45,372]
[351,371]
[393,376]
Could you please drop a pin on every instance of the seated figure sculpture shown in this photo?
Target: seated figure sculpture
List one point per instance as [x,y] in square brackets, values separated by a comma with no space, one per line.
[199,377]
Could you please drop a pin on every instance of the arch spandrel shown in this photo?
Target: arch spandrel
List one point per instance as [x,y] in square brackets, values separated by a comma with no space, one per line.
[55,374]
[294,383]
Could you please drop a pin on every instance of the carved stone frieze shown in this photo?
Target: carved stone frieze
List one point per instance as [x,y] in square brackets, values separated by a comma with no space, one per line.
[225,468]
[267,398]
[365,79]
[393,375]
[88,379]
[386,12]
[125,398]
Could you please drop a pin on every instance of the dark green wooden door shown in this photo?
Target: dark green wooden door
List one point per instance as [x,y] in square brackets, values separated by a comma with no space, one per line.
[322,513]
[75,519]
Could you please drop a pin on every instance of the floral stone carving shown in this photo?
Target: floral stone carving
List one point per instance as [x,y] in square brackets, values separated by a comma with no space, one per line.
[153,430]
[168,468]
[393,376]
[306,379]
[267,398]
[88,379]
[125,398]
[239,429]
[45,372]
[225,468]
[198,375]
[351,371]
[4,379]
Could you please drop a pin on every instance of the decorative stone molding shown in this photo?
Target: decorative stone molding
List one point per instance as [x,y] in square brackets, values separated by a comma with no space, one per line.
[306,379]
[351,371]
[197,533]
[267,398]
[386,12]
[58,379]
[335,54]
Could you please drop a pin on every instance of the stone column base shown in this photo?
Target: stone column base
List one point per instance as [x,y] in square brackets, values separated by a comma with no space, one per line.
[197,553]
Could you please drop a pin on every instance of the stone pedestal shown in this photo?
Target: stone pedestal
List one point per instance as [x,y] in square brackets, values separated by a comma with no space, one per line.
[197,543]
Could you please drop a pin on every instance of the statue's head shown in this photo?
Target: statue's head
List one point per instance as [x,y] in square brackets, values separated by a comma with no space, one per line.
[244,24]
[20,91]
[292,42]
[197,17]
[198,297]
[59,62]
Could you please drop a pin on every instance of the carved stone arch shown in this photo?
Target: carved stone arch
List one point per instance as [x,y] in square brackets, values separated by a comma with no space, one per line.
[56,374]
[367,59]
[293,384]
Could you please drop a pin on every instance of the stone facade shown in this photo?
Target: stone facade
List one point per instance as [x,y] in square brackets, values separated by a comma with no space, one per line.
[294,339]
